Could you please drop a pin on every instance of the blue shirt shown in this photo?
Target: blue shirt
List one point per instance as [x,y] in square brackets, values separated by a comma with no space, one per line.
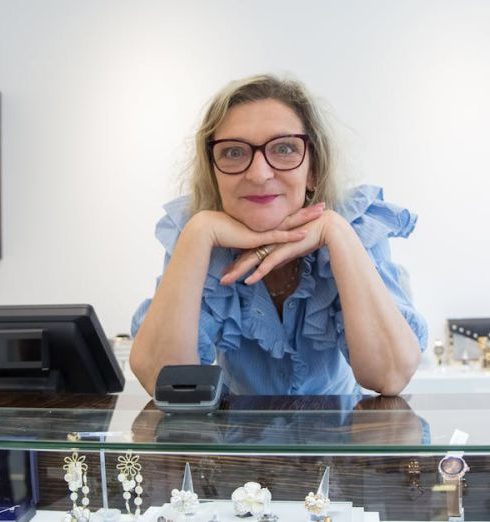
[305,352]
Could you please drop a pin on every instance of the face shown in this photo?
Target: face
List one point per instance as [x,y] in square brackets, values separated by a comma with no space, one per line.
[262,197]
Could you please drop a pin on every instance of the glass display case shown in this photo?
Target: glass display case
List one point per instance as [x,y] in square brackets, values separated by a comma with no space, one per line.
[397,459]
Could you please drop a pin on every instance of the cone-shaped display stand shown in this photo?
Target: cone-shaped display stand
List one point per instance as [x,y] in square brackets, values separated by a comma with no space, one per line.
[324,483]
[187,481]
[317,504]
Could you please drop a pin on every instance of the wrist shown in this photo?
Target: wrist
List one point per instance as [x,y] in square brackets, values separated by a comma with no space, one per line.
[333,228]
[199,230]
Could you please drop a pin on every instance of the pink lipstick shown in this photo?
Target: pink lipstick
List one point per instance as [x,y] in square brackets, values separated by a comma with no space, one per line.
[261,200]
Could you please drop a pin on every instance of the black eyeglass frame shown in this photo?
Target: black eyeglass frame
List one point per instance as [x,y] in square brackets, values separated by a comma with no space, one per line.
[255,148]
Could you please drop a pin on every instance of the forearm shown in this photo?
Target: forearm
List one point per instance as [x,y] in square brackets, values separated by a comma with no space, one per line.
[383,350]
[169,333]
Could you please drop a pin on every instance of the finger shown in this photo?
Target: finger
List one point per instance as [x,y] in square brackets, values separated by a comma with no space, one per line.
[240,267]
[280,256]
[278,236]
[302,216]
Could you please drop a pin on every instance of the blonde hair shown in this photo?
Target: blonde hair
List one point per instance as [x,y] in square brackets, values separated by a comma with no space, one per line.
[203,185]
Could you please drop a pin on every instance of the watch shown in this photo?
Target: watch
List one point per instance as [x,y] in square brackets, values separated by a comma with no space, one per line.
[452,469]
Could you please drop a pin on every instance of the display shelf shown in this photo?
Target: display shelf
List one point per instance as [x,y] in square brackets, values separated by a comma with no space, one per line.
[383,453]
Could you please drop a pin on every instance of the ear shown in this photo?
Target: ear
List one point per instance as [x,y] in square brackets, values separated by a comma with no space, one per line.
[311,181]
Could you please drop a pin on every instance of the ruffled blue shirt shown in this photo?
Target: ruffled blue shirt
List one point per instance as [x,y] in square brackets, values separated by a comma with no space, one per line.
[306,351]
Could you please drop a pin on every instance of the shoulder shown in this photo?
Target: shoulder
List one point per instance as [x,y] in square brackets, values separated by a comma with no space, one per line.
[373,218]
[169,227]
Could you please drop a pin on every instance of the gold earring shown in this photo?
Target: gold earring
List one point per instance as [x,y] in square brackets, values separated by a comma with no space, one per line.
[309,195]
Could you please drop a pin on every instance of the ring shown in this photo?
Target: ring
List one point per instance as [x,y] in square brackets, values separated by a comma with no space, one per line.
[262,252]
[316,504]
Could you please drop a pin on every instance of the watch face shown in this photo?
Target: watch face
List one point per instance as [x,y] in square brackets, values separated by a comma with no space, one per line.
[452,465]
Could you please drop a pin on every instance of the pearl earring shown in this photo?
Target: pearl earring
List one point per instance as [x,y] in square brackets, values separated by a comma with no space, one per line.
[76,477]
[131,478]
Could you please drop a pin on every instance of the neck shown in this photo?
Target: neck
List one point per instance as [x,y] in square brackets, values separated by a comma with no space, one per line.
[283,281]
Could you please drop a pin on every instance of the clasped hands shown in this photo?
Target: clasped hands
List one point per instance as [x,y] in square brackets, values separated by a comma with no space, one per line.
[298,235]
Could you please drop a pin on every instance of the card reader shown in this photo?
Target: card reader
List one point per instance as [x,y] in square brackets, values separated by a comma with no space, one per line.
[189,388]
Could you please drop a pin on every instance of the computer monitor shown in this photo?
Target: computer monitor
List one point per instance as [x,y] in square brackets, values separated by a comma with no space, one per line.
[56,348]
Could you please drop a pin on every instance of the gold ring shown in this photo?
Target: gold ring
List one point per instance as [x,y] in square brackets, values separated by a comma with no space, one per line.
[262,252]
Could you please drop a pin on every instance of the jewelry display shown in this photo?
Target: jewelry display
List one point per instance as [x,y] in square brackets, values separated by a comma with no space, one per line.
[185,501]
[452,469]
[463,340]
[317,503]
[251,499]
[439,351]
[76,476]
[413,471]
[484,346]
[131,479]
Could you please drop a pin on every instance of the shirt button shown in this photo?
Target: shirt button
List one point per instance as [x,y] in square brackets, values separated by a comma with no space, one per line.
[307,270]
[258,311]
[291,304]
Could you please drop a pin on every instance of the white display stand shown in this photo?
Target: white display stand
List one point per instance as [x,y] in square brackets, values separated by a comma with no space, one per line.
[286,511]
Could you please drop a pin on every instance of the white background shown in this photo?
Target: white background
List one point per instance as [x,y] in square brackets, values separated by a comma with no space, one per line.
[100,100]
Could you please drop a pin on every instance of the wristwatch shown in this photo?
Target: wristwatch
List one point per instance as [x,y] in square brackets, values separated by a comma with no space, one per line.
[452,469]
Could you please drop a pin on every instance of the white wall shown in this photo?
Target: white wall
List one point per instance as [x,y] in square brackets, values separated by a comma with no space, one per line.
[99,98]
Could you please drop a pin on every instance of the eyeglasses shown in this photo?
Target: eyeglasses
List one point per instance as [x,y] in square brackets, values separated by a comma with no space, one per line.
[281,153]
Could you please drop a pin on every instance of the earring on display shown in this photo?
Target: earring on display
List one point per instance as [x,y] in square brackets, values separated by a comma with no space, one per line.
[76,477]
[131,478]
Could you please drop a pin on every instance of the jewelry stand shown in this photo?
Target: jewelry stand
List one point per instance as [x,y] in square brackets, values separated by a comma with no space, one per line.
[104,514]
[222,510]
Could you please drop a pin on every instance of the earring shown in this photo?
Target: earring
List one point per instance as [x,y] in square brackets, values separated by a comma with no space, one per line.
[309,195]
[76,477]
[130,477]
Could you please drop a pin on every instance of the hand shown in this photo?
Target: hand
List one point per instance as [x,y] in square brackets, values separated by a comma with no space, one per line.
[221,230]
[283,253]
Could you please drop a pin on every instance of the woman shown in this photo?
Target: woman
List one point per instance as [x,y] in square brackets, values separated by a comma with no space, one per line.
[268,270]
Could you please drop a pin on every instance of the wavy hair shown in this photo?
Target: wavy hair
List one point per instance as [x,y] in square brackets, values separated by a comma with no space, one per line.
[203,185]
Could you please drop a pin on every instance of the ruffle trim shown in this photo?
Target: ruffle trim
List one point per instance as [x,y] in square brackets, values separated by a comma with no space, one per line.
[240,309]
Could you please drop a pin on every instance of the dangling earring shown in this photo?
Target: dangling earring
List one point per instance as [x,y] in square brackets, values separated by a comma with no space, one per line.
[309,195]
[131,478]
[76,477]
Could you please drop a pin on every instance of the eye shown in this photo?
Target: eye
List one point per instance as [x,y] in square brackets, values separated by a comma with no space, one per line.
[232,153]
[283,148]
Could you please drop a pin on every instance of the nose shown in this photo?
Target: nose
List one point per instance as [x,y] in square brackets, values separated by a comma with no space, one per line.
[259,171]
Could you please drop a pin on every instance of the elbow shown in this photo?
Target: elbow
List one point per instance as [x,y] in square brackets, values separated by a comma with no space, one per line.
[142,371]
[389,387]
[392,381]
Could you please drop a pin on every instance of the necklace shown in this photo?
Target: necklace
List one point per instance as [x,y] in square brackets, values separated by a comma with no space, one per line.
[288,285]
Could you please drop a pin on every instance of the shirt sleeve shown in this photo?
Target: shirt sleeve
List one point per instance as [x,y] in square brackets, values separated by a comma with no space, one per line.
[375,222]
[167,232]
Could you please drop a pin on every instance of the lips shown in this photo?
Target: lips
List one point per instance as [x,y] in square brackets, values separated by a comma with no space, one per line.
[261,200]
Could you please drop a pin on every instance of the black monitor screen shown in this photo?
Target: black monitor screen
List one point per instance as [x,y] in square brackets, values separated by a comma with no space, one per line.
[59,348]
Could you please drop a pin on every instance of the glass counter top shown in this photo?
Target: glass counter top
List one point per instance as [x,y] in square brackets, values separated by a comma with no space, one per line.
[272,425]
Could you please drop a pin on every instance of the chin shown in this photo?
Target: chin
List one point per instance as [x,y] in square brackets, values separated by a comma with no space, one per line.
[261,225]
